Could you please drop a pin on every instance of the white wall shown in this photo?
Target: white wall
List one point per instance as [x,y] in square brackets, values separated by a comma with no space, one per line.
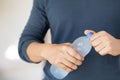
[13,17]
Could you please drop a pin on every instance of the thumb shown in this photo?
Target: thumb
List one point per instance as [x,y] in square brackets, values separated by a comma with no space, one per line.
[88,31]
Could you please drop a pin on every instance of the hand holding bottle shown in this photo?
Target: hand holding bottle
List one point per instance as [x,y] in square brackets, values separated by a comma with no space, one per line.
[82,46]
[62,56]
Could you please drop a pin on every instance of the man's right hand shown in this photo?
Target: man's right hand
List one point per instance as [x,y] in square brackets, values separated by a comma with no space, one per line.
[62,56]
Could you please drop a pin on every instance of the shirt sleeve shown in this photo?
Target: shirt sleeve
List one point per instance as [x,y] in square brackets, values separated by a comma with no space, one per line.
[35,28]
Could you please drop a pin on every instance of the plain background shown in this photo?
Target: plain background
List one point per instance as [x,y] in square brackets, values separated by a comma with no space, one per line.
[13,17]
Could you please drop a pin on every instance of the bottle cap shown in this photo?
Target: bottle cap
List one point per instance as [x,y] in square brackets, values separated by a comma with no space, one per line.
[89,35]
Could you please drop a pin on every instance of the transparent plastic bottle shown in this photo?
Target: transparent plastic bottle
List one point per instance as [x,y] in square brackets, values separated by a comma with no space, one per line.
[83,46]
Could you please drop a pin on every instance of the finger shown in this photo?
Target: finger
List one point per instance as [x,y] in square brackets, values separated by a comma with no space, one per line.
[73,60]
[69,64]
[103,51]
[99,47]
[98,34]
[96,42]
[74,54]
[94,37]
[63,66]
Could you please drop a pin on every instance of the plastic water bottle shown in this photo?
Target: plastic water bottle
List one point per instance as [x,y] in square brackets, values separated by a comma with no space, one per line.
[83,46]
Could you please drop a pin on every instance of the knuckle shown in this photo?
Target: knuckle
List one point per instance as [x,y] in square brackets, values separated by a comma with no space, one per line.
[73,66]
[102,54]
[103,32]
[66,68]
[74,60]
[109,49]
[110,43]
[68,43]
[63,67]
[79,63]
[75,55]
[60,56]
[114,55]
[81,58]
[64,47]
[72,54]
[56,62]
[96,50]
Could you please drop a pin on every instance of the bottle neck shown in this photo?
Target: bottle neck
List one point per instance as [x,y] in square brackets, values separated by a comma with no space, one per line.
[89,35]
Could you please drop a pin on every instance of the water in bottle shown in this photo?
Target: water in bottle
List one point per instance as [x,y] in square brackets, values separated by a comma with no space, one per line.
[83,46]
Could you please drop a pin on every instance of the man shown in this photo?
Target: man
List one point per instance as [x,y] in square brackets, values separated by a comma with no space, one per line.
[67,20]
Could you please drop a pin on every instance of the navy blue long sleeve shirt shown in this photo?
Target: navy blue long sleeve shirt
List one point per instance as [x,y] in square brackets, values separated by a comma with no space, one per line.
[67,20]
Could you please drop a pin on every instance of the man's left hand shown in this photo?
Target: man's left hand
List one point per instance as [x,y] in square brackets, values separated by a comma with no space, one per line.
[104,43]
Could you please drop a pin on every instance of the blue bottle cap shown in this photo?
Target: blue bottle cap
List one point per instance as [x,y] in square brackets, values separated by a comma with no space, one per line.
[89,35]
